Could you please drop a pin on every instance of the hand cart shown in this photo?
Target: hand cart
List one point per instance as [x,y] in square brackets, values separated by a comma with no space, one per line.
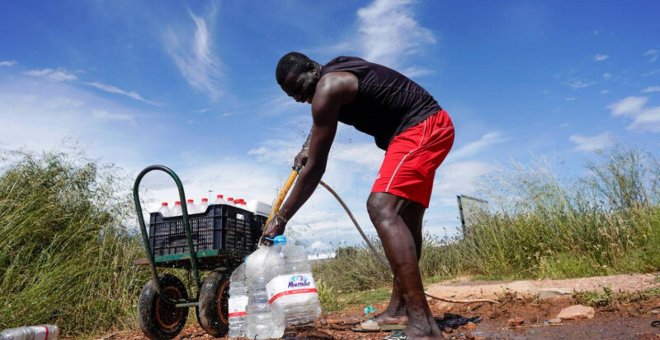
[216,241]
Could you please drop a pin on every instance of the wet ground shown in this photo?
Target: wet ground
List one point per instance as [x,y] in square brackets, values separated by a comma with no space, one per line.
[618,321]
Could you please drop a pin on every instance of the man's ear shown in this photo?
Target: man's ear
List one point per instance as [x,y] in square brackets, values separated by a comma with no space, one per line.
[311,67]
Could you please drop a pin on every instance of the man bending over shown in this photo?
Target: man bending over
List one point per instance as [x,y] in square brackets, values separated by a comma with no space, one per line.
[416,133]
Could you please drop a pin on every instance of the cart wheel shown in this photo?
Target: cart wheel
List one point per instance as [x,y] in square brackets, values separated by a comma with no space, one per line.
[160,319]
[213,304]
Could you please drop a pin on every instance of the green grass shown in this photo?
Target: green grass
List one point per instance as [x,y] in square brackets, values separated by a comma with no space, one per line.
[540,226]
[65,256]
[607,297]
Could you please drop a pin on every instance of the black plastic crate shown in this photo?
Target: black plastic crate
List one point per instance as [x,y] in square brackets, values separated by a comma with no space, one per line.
[222,227]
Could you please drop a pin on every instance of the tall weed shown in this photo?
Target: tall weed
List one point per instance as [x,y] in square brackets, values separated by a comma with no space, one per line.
[65,256]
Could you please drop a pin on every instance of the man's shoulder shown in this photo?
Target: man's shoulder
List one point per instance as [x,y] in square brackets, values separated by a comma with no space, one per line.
[337,82]
[344,58]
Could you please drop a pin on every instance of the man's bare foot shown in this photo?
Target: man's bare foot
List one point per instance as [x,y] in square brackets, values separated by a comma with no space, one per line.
[386,318]
[425,329]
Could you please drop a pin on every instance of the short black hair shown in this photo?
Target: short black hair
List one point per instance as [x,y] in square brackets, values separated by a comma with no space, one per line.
[291,62]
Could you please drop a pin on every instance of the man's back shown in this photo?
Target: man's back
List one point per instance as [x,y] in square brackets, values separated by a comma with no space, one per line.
[387,102]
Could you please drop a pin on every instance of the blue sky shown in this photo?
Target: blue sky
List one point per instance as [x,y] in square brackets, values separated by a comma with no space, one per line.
[191,85]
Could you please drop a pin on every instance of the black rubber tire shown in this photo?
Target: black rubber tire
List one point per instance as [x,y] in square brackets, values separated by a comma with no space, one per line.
[213,304]
[159,319]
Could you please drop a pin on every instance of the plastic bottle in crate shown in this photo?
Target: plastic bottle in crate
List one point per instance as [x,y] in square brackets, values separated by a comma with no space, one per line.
[192,208]
[164,210]
[238,300]
[242,204]
[40,332]
[262,322]
[176,210]
[230,201]
[205,204]
[291,289]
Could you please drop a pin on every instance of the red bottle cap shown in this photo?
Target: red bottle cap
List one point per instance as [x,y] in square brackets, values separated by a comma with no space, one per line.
[190,200]
[164,204]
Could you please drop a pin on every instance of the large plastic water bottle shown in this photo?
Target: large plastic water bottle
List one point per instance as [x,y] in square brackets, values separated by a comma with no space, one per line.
[40,332]
[262,323]
[164,210]
[292,289]
[238,300]
[176,210]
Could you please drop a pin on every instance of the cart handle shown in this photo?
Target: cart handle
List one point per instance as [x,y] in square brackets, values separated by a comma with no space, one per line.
[186,225]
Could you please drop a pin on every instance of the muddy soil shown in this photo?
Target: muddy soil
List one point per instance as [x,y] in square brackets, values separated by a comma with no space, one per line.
[629,321]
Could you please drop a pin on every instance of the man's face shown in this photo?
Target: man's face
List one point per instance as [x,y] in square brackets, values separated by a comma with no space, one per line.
[301,87]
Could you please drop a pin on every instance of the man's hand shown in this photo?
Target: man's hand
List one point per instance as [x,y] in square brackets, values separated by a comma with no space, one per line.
[301,159]
[274,227]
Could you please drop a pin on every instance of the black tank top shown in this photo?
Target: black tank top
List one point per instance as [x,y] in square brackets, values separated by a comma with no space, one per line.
[387,102]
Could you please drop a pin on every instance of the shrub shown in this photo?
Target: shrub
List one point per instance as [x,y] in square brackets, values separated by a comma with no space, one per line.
[65,255]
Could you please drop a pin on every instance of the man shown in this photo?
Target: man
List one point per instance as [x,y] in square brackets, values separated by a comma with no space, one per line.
[417,135]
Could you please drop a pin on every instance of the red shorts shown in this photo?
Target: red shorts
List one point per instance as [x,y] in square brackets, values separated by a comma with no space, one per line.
[412,158]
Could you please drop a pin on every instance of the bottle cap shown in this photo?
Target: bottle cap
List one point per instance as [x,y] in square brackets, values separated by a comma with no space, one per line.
[205,199]
[219,196]
[177,203]
[280,239]
[164,204]
[190,200]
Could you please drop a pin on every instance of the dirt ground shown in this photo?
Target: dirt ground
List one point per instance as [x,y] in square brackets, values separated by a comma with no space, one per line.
[517,316]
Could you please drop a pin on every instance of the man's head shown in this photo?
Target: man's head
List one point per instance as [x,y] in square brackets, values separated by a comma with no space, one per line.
[298,76]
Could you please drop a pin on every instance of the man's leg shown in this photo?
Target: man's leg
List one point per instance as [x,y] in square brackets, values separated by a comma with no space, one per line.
[399,244]
[395,313]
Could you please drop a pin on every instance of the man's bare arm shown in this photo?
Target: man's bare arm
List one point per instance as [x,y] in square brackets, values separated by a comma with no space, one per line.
[333,91]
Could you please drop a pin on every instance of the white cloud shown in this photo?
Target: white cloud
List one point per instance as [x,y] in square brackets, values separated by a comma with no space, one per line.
[388,32]
[579,84]
[589,144]
[7,63]
[607,75]
[651,73]
[628,106]
[38,114]
[601,57]
[54,75]
[651,89]
[473,148]
[359,154]
[652,54]
[319,245]
[110,116]
[193,55]
[116,90]
[644,118]
[648,119]
[458,178]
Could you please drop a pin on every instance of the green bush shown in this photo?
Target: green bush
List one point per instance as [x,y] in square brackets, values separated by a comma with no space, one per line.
[327,297]
[65,256]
